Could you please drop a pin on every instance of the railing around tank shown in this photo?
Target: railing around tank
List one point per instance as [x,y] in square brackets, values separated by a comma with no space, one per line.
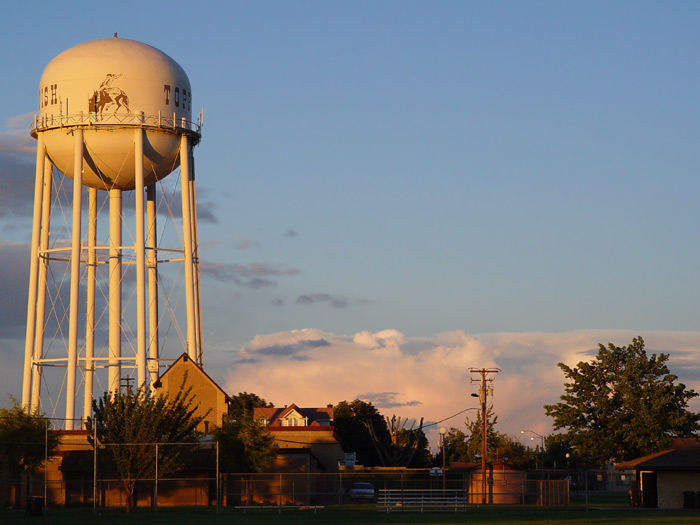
[162,122]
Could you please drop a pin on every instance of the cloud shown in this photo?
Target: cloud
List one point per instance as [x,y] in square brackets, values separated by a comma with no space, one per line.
[387,399]
[291,233]
[252,276]
[293,347]
[337,301]
[429,377]
[380,339]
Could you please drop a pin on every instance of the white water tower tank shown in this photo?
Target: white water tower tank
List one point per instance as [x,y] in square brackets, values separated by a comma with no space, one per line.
[114,85]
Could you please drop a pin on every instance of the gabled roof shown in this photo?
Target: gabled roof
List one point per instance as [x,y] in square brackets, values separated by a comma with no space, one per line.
[186,359]
[275,414]
[684,454]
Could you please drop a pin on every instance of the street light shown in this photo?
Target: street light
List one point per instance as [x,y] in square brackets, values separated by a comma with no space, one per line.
[541,447]
[443,431]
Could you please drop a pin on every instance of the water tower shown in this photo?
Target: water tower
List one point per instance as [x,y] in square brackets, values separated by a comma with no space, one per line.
[115,118]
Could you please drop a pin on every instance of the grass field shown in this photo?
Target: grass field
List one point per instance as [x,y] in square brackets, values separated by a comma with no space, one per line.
[359,514]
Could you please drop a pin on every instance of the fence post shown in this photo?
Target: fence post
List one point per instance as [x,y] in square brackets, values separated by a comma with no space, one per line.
[155,487]
[218,486]
[94,470]
[46,466]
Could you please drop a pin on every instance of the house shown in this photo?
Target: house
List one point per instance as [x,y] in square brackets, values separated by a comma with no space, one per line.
[669,479]
[304,438]
[212,400]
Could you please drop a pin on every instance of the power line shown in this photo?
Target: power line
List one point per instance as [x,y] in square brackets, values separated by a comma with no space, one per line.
[450,417]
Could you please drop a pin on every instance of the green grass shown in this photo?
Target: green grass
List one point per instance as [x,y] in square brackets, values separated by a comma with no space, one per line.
[358,515]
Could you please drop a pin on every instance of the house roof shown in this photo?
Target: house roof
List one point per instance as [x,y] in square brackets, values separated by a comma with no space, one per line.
[275,414]
[185,358]
[684,454]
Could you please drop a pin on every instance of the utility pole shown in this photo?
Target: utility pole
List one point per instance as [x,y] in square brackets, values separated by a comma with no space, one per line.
[484,393]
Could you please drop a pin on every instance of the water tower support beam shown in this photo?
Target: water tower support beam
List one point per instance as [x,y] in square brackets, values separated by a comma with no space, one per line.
[187,242]
[195,248]
[41,289]
[74,278]
[140,249]
[33,273]
[152,265]
[115,289]
[90,303]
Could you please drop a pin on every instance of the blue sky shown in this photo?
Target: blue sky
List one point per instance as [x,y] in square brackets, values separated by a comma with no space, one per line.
[421,167]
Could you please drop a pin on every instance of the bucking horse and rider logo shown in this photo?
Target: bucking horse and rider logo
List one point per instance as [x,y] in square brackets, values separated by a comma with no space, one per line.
[109,98]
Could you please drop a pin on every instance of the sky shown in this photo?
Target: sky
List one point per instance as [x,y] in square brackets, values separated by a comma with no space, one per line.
[394,192]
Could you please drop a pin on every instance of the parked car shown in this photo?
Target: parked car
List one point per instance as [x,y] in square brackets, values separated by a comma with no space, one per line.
[435,472]
[362,492]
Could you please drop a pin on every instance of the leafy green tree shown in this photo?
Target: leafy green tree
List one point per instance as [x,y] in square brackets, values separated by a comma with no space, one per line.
[456,448]
[25,439]
[243,404]
[466,447]
[622,405]
[560,452]
[245,445]
[352,423]
[131,423]
[474,429]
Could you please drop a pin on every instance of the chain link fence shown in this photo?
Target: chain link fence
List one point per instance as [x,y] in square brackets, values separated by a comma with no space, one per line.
[82,476]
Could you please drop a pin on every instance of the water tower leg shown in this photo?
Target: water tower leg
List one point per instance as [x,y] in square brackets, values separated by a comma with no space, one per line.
[187,241]
[140,248]
[33,273]
[115,289]
[195,276]
[152,264]
[41,289]
[90,303]
[74,279]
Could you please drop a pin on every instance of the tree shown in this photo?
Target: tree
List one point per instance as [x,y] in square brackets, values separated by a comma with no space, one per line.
[474,429]
[560,452]
[245,445]
[498,445]
[378,440]
[243,404]
[352,422]
[466,447]
[456,448]
[132,423]
[405,444]
[622,405]
[25,439]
